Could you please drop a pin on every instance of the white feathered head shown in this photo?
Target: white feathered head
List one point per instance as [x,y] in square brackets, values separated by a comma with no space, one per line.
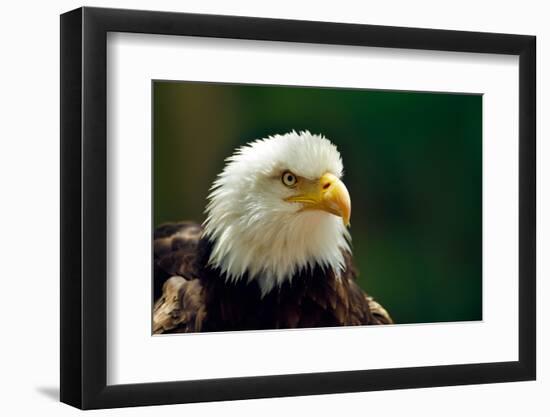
[278,207]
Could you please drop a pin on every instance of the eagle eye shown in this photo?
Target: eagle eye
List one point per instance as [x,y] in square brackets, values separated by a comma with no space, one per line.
[289,179]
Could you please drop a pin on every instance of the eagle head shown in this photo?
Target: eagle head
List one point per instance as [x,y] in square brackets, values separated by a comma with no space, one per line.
[279,207]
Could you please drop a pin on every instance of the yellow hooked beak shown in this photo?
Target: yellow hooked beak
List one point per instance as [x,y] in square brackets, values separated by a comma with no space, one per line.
[327,193]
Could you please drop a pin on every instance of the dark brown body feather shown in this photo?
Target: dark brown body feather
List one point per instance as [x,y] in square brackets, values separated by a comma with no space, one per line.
[192,297]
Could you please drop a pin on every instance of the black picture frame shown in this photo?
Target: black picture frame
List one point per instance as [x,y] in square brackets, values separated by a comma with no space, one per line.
[84,207]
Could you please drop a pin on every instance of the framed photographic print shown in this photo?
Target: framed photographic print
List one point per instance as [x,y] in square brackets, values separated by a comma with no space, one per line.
[258,207]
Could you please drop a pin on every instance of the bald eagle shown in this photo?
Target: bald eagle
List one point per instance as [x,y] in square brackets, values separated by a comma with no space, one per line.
[274,251]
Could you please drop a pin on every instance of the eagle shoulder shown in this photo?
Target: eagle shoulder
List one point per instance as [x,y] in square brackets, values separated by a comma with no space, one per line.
[345,299]
[176,251]
[181,307]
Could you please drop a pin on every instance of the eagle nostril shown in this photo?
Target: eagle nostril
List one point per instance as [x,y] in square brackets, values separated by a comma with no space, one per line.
[325,187]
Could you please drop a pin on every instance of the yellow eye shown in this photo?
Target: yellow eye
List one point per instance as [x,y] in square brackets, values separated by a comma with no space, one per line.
[289,179]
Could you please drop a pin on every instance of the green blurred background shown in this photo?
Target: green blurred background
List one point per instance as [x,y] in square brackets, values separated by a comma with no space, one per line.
[413,166]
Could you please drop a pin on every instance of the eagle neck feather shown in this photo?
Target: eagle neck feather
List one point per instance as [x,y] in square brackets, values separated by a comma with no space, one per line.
[273,253]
